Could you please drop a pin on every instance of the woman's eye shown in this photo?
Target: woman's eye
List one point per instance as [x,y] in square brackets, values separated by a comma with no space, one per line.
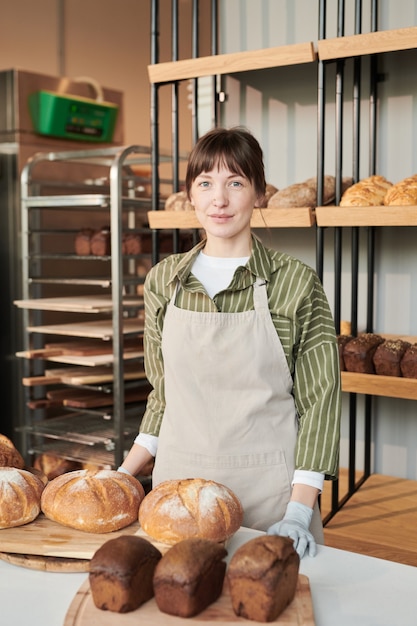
[236,183]
[204,183]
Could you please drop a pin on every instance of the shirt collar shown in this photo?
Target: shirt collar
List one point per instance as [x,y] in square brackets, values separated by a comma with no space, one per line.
[258,265]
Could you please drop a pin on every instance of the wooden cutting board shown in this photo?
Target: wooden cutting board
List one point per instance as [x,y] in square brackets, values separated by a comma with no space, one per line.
[46,563]
[43,537]
[83,612]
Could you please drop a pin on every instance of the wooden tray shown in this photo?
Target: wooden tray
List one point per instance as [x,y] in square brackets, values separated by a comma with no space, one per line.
[43,537]
[46,563]
[83,612]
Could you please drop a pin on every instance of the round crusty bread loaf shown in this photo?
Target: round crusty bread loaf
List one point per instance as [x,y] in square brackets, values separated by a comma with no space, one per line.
[178,509]
[9,455]
[20,497]
[94,501]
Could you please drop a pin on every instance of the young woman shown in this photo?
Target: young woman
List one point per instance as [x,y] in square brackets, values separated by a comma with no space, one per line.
[240,349]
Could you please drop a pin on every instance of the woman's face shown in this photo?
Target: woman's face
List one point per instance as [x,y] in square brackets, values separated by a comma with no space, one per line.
[224,203]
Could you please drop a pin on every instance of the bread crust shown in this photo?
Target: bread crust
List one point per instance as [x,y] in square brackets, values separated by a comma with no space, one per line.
[189,577]
[262,576]
[369,191]
[95,501]
[20,497]
[403,193]
[177,509]
[121,573]
[9,454]
[305,194]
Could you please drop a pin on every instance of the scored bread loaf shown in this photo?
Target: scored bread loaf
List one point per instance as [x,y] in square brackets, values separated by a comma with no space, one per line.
[367,192]
[189,577]
[178,509]
[20,497]
[262,576]
[121,573]
[305,194]
[98,501]
[9,454]
[403,193]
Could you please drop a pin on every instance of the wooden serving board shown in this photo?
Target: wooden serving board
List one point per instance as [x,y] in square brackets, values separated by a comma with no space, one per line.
[46,563]
[43,537]
[83,612]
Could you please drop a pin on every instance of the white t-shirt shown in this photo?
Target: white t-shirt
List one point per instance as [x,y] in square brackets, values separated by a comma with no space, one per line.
[215,273]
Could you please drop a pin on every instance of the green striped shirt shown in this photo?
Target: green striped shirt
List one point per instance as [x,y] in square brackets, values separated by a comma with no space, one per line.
[303,320]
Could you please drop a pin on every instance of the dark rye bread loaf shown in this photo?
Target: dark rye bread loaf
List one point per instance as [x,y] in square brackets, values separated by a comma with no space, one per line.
[358,353]
[409,362]
[121,573]
[388,355]
[189,577]
[262,576]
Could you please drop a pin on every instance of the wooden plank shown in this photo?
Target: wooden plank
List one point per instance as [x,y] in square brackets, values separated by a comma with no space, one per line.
[378,520]
[366,216]
[88,361]
[83,375]
[83,612]
[293,217]
[368,43]
[294,54]
[98,329]
[375,385]
[77,304]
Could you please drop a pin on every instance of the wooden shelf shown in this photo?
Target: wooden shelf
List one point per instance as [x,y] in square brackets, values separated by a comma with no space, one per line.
[374,385]
[366,216]
[77,304]
[262,218]
[230,63]
[369,43]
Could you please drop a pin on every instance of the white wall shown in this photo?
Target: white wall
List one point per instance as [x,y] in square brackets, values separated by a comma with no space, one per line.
[280,107]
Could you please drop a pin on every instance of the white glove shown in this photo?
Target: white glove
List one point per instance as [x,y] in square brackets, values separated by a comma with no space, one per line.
[123,470]
[295,525]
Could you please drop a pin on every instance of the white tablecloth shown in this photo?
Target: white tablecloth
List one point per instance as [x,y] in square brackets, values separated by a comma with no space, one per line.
[347,590]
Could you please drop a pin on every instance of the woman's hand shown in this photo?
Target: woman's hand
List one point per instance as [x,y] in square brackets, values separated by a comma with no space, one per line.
[295,525]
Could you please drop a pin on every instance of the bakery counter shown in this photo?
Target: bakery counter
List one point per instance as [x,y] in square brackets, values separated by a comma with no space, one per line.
[346,589]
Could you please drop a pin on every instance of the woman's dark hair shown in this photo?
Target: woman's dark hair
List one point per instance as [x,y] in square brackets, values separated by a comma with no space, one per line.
[236,148]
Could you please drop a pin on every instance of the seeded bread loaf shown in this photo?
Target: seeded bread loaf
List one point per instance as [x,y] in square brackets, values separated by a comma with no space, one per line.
[367,192]
[409,362]
[358,354]
[402,193]
[388,355]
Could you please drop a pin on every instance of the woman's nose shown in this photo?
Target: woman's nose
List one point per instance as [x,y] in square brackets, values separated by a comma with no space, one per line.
[220,197]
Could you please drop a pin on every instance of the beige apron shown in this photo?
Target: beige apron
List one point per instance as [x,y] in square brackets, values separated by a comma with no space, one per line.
[230,415]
